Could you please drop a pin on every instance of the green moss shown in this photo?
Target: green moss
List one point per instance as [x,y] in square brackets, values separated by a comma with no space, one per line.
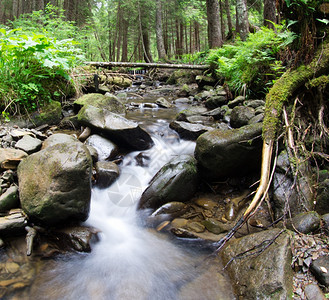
[288,83]
[320,82]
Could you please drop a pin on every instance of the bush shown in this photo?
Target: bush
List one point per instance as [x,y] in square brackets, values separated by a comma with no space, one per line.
[30,65]
[252,65]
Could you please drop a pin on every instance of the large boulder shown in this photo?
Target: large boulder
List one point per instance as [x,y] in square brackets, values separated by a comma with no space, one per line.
[230,152]
[116,127]
[55,183]
[108,101]
[187,130]
[106,150]
[176,181]
[264,272]
[241,115]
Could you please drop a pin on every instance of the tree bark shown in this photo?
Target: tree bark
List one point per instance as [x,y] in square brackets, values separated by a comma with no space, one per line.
[269,13]
[214,28]
[242,19]
[159,32]
[229,19]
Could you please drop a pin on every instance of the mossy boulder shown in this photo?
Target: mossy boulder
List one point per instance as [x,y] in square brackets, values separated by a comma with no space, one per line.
[107,101]
[235,152]
[50,113]
[55,184]
[115,127]
[176,181]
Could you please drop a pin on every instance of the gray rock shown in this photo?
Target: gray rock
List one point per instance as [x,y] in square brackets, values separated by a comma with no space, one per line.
[183,101]
[235,102]
[320,268]
[217,113]
[115,127]
[254,103]
[322,198]
[93,153]
[306,222]
[58,138]
[174,209]
[214,226]
[215,101]
[241,115]
[189,131]
[106,149]
[29,144]
[10,158]
[265,275]
[192,111]
[313,292]
[231,152]
[13,223]
[162,102]
[256,119]
[9,199]
[107,173]
[325,219]
[285,196]
[176,181]
[55,183]
[198,119]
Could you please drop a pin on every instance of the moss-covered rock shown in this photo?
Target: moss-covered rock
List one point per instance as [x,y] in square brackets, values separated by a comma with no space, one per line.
[55,183]
[50,113]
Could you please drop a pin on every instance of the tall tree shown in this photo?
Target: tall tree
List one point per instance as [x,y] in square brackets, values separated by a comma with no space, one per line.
[242,22]
[159,31]
[269,13]
[214,28]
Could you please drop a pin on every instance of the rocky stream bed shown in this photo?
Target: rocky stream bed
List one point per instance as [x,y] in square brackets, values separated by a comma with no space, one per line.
[125,196]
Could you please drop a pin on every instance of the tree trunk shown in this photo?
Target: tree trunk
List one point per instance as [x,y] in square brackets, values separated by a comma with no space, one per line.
[229,19]
[269,13]
[242,19]
[143,25]
[159,33]
[222,21]
[214,28]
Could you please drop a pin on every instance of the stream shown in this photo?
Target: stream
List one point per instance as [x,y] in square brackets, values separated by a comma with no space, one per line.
[131,261]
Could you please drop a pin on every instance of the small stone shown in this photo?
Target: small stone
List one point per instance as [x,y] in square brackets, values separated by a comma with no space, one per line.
[196,227]
[213,226]
[319,268]
[306,222]
[179,222]
[10,158]
[107,173]
[9,199]
[12,267]
[313,292]
[206,203]
[29,144]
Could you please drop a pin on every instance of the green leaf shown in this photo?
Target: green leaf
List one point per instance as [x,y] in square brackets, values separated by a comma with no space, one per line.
[325,21]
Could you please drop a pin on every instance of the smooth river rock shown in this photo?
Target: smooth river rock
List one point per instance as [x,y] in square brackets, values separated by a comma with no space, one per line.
[115,127]
[189,131]
[176,181]
[55,183]
[229,153]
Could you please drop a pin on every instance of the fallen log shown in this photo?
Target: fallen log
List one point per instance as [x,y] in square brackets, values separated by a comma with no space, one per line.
[110,65]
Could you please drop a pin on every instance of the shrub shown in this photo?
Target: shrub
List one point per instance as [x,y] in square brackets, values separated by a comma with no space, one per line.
[30,64]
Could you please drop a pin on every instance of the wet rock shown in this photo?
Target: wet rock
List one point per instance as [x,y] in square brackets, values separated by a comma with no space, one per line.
[176,181]
[217,113]
[183,101]
[203,80]
[84,134]
[116,127]
[206,203]
[162,102]
[192,111]
[256,119]
[200,119]
[10,158]
[322,198]
[241,115]
[179,222]
[283,191]
[13,223]
[313,292]
[320,268]
[106,149]
[195,226]
[305,222]
[187,130]
[58,138]
[221,153]
[214,226]
[107,101]
[174,209]
[107,173]
[149,105]
[55,183]
[93,153]
[265,275]
[254,103]
[9,199]
[325,219]
[29,144]
[216,101]
[235,102]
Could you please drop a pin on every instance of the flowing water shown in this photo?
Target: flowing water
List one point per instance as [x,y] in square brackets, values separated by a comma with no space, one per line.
[131,261]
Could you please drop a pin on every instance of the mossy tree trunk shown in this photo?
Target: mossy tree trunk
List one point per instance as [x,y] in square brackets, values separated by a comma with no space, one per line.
[280,93]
